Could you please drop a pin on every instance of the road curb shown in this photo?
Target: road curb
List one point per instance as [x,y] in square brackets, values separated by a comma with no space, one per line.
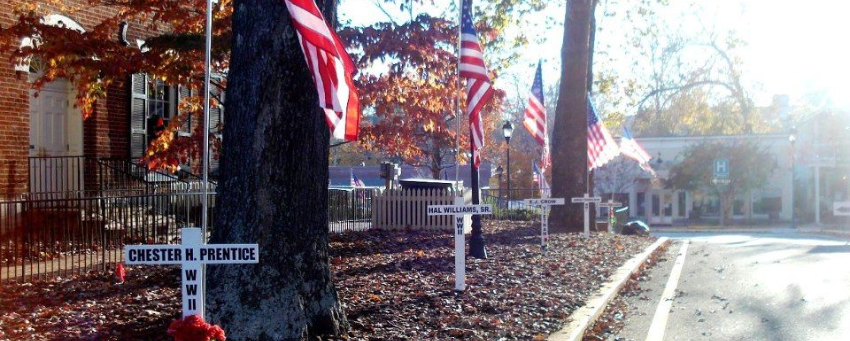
[584,317]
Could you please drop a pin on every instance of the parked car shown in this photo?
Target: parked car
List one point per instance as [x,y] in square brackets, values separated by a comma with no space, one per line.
[635,227]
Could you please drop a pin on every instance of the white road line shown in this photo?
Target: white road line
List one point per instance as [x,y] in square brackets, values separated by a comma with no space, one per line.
[659,321]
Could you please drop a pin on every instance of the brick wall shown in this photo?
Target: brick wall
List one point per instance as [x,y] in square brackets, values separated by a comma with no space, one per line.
[105,134]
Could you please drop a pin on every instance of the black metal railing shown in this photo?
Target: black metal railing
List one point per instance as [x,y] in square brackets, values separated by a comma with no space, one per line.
[509,205]
[43,238]
[57,174]
[45,235]
[350,209]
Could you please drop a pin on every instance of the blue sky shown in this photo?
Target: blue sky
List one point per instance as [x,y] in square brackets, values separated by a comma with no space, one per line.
[793,47]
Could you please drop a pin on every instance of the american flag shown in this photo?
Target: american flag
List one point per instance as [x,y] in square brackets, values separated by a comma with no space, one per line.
[478,87]
[355,182]
[535,117]
[330,66]
[540,180]
[631,149]
[601,147]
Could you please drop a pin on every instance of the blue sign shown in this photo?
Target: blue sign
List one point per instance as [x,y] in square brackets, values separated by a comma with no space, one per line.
[721,168]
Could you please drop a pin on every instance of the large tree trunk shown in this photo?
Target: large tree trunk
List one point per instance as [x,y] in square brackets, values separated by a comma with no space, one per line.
[273,189]
[569,143]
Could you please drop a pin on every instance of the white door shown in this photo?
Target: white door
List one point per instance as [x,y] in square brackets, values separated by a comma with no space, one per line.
[49,120]
[55,135]
[661,203]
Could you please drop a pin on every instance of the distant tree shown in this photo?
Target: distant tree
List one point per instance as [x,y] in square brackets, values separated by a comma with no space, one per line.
[617,176]
[682,81]
[413,101]
[750,167]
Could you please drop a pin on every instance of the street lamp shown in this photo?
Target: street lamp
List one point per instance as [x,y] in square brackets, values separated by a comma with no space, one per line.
[499,172]
[792,138]
[508,130]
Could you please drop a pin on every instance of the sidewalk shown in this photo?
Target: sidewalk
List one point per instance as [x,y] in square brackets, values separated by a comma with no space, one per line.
[836,231]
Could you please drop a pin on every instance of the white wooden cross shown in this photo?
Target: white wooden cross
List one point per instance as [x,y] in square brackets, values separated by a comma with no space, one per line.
[544,204]
[459,210]
[587,200]
[192,254]
[611,205]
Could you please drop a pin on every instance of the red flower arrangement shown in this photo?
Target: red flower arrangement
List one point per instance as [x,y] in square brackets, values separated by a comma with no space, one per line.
[193,328]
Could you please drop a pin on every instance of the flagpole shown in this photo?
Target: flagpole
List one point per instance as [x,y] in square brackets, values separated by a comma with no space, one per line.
[206,148]
[587,173]
[458,114]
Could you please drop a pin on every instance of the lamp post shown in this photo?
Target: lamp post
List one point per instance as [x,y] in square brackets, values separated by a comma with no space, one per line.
[792,138]
[476,239]
[508,130]
[499,172]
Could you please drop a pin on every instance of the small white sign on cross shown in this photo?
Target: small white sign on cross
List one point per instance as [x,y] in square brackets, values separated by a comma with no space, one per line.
[611,205]
[587,200]
[544,204]
[192,254]
[459,210]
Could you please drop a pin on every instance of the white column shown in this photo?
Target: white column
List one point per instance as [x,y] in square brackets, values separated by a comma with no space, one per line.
[192,274]
[817,194]
[460,252]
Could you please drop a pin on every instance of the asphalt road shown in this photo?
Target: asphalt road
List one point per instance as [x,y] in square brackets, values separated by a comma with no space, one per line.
[759,286]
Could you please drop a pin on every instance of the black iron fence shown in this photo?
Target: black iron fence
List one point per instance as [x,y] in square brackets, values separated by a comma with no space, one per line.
[509,205]
[45,235]
[350,209]
[43,238]
[70,175]
[81,212]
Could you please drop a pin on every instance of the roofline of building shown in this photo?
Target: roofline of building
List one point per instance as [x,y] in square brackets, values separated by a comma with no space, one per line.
[709,137]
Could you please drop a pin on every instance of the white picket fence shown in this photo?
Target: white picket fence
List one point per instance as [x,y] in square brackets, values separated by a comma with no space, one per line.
[407,209]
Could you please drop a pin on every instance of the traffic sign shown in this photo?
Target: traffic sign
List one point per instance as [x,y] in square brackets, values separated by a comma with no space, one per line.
[721,168]
[720,181]
[841,208]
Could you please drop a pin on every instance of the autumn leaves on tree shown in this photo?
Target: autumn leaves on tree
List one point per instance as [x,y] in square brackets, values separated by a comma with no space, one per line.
[97,61]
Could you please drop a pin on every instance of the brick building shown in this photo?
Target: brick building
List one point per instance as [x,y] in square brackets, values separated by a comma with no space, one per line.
[45,145]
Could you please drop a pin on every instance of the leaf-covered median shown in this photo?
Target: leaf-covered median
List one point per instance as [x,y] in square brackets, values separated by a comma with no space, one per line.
[394,285]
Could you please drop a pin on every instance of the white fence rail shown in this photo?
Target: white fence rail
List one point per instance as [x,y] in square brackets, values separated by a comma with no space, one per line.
[407,209]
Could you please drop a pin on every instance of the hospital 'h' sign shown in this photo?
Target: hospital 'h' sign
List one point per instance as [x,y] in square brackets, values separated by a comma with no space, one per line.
[721,168]
[192,254]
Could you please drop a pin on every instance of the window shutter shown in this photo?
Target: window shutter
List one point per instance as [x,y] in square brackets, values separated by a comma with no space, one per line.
[138,115]
[216,118]
[184,92]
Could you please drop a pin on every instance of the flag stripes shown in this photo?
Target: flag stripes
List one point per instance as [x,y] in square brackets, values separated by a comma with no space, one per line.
[535,117]
[601,147]
[330,66]
[479,89]
[631,149]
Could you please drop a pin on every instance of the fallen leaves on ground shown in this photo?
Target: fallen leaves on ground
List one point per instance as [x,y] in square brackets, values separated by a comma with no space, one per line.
[394,285]
[399,285]
[92,307]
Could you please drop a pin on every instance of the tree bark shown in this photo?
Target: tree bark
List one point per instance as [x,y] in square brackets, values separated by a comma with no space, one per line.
[273,189]
[569,143]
